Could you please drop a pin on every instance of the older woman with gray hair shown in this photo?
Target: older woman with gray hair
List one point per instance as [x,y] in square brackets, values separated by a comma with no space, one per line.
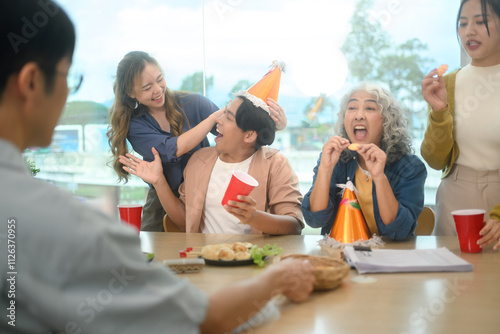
[389,178]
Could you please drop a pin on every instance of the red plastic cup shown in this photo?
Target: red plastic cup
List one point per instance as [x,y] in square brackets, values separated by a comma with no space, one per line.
[469,223]
[240,184]
[131,214]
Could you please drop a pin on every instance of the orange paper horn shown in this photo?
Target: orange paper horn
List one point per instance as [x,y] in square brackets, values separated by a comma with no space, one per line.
[267,87]
[349,225]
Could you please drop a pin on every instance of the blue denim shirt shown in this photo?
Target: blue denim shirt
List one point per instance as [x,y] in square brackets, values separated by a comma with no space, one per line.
[145,133]
[406,177]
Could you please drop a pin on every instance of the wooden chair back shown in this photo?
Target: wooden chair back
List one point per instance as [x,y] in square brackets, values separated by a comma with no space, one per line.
[169,226]
[425,222]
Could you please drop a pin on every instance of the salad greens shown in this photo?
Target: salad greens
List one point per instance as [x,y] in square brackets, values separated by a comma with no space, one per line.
[258,253]
[149,256]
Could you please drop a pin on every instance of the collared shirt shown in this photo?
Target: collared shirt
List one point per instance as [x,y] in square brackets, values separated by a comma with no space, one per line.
[77,269]
[145,133]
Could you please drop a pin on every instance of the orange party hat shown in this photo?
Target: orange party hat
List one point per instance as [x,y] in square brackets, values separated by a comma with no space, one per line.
[349,225]
[267,87]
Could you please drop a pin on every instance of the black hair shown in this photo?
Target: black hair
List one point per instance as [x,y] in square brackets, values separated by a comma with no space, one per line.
[252,118]
[34,31]
[493,4]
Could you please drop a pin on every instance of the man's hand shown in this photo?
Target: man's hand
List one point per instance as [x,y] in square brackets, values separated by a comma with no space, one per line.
[244,209]
[150,172]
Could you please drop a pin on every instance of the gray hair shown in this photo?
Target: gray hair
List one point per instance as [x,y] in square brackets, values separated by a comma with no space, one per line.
[396,141]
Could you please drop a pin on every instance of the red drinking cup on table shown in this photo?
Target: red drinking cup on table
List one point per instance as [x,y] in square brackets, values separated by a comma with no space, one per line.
[240,184]
[469,223]
[131,214]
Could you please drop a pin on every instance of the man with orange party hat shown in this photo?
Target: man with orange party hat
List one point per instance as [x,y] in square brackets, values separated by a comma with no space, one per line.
[245,128]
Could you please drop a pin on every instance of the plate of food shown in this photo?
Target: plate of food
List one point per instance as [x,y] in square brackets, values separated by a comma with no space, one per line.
[232,263]
[227,255]
[235,254]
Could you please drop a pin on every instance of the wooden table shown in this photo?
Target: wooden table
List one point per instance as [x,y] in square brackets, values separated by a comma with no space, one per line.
[444,302]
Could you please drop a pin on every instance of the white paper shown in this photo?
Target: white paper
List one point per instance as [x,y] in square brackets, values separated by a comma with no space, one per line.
[411,260]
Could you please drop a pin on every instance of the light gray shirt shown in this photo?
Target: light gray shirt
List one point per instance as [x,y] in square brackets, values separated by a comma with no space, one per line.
[78,271]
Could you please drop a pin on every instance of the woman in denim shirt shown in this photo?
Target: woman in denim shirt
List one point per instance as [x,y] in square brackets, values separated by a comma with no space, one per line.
[389,178]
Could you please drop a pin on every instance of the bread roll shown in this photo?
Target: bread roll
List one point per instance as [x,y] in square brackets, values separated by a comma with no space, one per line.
[239,247]
[240,256]
[226,254]
[210,252]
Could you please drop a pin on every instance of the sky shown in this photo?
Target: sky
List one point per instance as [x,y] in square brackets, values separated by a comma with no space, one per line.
[239,39]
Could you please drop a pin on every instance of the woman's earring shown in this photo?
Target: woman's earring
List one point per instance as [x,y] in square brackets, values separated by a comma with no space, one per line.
[136,104]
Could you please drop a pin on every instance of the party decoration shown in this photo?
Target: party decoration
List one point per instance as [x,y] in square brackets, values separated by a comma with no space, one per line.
[349,225]
[267,87]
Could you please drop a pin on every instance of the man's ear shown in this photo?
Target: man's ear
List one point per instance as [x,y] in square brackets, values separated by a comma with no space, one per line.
[250,136]
[30,81]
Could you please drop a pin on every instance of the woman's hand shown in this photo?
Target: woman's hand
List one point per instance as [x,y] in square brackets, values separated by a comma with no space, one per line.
[332,150]
[374,159]
[434,91]
[150,172]
[217,114]
[490,234]
[277,114]
[244,209]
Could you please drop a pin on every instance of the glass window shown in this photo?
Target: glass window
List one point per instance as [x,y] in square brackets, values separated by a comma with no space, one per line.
[326,44]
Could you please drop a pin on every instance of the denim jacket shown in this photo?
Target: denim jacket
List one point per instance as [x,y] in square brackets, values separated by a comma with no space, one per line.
[406,177]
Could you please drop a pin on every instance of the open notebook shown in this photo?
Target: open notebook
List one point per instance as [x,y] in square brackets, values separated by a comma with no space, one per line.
[412,260]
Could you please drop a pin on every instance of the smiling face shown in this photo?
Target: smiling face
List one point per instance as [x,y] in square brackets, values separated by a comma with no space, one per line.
[483,49]
[232,143]
[149,88]
[230,135]
[363,119]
